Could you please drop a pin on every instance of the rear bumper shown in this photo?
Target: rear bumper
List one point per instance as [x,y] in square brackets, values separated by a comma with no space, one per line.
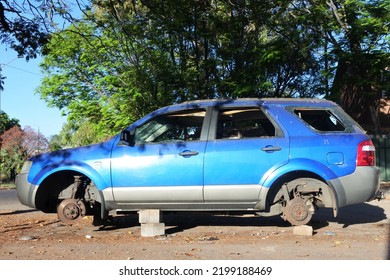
[25,191]
[358,187]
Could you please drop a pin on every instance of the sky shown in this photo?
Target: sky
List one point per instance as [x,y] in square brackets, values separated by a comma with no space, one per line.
[19,99]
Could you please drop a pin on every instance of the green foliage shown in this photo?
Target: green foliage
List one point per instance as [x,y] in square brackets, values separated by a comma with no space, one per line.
[11,162]
[23,26]
[126,58]
[9,159]
[356,34]
[55,143]
[6,123]
[16,146]
[12,154]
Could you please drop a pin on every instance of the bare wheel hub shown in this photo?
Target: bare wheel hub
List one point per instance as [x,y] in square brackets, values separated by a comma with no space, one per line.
[71,210]
[298,211]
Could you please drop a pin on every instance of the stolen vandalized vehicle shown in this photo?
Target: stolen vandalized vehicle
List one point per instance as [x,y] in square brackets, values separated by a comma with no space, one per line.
[283,157]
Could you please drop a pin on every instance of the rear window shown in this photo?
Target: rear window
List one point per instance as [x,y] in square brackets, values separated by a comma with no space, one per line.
[320,119]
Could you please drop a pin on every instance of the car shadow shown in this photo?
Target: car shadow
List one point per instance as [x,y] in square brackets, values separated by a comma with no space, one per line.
[15,212]
[119,222]
[351,215]
[176,222]
[180,222]
[362,213]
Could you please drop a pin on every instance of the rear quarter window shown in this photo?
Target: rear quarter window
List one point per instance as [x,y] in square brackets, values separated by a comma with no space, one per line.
[321,119]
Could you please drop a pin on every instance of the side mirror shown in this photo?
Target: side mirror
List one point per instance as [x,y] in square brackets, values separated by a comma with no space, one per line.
[126,138]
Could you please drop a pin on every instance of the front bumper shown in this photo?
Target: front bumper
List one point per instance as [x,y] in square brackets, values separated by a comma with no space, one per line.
[25,191]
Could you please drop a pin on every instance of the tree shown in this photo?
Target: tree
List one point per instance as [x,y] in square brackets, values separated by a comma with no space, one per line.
[362,54]
[26,26]
[126,58]
[34,142]
[12,155]
[88,81]
[6,123]
[55,143]
[17,146]
[356,51]
[208,49]
[75,134]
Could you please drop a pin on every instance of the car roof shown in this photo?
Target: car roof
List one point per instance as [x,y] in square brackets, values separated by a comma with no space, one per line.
[272,102]
[307,102]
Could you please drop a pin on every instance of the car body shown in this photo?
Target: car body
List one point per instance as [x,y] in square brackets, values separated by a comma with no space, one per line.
[267,156]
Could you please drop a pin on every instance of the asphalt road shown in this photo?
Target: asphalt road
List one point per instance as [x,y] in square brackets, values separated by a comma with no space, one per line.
[9,200]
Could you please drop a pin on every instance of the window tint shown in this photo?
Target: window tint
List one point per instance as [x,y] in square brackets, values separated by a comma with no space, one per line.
[240,123]
[178,126]
[320,119]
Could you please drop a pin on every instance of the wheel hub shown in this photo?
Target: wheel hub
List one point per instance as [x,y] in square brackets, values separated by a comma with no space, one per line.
[298,211]
[71,210]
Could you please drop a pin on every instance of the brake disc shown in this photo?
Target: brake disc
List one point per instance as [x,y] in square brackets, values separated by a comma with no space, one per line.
[298,211]
[71,210]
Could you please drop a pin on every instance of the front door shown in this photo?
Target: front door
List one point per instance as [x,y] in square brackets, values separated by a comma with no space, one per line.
[165,164]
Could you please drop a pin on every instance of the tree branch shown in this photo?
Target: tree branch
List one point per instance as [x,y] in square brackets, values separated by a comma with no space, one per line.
[338,17]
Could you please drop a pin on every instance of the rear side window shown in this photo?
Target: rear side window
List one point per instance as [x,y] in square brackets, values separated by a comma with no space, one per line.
[320,119]
[238,123]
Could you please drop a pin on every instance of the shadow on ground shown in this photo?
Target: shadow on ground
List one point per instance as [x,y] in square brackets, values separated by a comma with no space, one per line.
[15,212]
[350,215]
[181,221]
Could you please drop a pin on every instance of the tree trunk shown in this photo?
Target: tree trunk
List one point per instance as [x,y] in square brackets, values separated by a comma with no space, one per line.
[355,95]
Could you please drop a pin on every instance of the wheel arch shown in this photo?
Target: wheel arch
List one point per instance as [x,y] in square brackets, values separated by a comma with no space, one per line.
[54,182]
[276,184]
[298,165]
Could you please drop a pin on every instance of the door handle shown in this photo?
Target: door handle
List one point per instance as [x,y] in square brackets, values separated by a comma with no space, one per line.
[188,153]
[271,148]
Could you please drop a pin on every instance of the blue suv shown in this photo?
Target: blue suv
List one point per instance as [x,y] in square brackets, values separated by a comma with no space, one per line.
[267,156]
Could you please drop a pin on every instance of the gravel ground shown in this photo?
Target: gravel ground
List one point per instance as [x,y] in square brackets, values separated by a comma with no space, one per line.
[360,232]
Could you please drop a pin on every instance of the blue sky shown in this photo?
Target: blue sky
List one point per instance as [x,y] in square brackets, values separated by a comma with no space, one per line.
[19,100]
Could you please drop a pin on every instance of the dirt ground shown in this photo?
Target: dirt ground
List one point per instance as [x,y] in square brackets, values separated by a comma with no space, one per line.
[359,232]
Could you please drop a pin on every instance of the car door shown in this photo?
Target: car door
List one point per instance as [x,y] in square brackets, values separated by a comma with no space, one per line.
[247,144]
[165,162]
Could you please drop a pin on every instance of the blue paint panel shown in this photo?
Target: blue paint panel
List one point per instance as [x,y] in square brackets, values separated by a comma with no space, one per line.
[242,162]
[335,158]
[92,161]
[158,165]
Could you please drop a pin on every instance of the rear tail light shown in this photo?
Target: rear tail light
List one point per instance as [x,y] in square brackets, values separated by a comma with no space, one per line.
[366,154]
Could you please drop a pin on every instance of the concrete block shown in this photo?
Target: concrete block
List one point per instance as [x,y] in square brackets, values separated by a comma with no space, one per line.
[303,230]
[149,216]
[150,230]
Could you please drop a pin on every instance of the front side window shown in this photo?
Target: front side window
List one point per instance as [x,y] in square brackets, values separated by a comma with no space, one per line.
[238,123]
[177,126]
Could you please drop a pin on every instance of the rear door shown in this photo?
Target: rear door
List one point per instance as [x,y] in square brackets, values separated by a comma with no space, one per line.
[247,144]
